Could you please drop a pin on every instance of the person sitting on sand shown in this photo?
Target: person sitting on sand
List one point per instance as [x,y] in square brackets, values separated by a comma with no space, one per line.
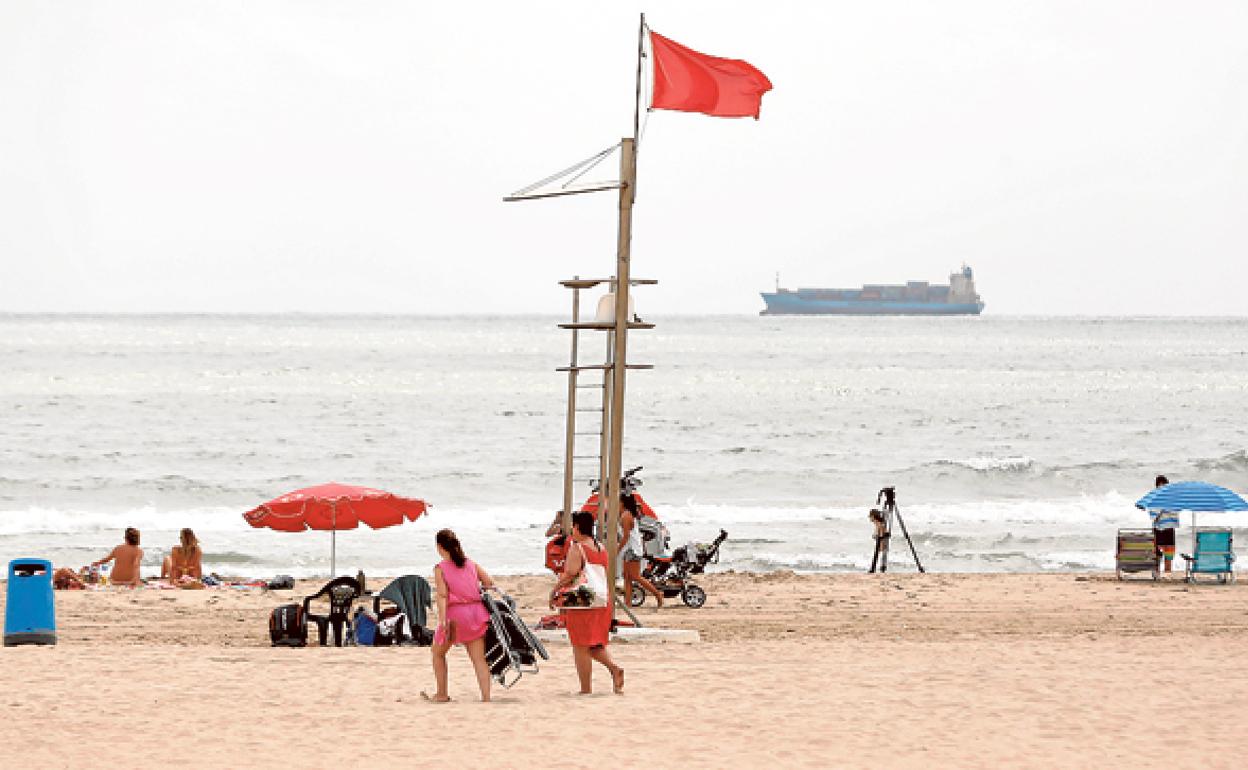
[462,618]
[125,558]
[185,562]
[588,628]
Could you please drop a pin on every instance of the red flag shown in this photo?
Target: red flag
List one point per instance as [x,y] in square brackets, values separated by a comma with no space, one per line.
[689,81]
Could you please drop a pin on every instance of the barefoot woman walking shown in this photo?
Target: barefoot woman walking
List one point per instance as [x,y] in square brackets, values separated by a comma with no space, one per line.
[588,629]
[462,618]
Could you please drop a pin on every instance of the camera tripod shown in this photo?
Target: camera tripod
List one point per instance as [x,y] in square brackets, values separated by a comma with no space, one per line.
[888,496]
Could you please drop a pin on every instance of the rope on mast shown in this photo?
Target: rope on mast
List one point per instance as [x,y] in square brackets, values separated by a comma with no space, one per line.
[575,171]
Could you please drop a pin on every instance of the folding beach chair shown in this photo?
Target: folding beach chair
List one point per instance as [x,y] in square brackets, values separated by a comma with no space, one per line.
[1137,552]
[342,593]
[1213,555]
[511,648]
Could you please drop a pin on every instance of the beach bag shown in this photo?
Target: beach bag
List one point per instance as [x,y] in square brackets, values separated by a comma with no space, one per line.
[365,629]
[288,627]
[588,591]
[281,583]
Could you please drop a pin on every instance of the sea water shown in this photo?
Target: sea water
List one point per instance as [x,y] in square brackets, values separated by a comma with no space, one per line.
[1015,444]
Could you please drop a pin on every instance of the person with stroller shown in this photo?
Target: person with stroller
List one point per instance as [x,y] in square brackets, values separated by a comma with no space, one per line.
[632,550]
[588,628]
[462,618]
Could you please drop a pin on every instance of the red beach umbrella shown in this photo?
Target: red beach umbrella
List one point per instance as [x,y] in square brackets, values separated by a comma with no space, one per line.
[334,507]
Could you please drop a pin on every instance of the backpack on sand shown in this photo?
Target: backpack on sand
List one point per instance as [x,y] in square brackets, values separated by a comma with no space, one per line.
[288,627]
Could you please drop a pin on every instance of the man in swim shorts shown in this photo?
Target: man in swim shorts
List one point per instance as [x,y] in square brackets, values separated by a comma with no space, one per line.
[1165,525]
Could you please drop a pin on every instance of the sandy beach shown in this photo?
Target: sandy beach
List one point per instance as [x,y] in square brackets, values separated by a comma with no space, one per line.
[902,670]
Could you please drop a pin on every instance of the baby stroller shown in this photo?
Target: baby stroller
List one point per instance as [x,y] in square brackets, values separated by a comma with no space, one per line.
[511,649]
[671,575]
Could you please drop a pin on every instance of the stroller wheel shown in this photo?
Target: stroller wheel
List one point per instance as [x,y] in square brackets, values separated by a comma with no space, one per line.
[693,596]
[637,597]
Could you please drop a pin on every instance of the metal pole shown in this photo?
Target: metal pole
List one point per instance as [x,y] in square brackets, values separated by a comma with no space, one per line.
[569,447]
[909,542]
[618,345]
[333,540]
[628,174]
[641,52]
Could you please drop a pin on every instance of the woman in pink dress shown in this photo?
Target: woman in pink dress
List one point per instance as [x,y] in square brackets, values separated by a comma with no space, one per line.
[588,629]
[462,618]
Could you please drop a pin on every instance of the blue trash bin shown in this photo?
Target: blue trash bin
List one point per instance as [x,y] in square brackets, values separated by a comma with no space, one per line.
[30,609]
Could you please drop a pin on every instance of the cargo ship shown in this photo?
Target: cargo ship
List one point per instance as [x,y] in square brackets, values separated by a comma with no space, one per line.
[910,298]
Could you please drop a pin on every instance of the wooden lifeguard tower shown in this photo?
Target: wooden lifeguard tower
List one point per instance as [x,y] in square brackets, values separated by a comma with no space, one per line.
[612,319]
[694,83]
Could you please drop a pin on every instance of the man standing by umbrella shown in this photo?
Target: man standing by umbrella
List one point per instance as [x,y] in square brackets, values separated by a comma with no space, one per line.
[1165,524]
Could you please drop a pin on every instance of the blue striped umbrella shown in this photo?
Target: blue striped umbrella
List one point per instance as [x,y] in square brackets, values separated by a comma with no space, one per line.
[1195,496]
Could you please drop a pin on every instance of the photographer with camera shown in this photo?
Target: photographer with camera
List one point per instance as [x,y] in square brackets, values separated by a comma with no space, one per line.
[881,534]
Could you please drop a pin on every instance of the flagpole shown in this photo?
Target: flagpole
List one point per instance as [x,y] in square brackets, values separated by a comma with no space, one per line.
[641,54]
[619,358]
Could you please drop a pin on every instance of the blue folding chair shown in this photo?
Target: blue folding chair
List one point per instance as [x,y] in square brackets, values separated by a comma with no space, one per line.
[1213,555]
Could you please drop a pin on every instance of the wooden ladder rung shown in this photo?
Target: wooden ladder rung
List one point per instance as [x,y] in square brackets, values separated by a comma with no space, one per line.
[604,326]
[602,367]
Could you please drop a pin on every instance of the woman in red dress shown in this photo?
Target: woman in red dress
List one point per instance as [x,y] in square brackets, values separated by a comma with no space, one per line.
[588,628]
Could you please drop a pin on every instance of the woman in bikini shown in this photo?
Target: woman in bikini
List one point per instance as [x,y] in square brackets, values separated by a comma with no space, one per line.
[185,562]
[588,629]
[462,618]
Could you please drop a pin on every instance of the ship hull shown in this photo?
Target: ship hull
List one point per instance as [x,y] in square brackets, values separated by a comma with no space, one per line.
[792,304]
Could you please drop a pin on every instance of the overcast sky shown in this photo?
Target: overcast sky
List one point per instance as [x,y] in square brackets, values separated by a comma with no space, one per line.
[1084,157]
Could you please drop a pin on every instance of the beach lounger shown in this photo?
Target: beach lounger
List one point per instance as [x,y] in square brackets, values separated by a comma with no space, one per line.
[342,593]
[1213,556]
[1137,552]
[414,597]
[511,649]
